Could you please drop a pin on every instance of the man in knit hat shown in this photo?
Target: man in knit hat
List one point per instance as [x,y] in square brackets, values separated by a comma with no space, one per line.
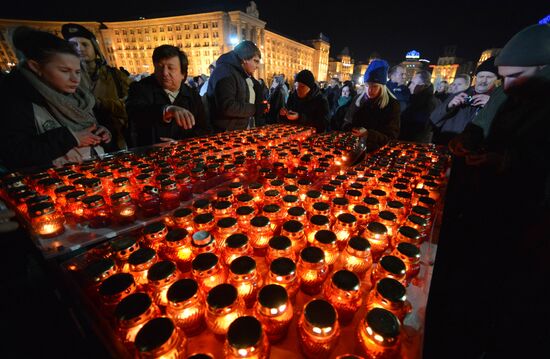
[458,110]
[109,85]
[494,304]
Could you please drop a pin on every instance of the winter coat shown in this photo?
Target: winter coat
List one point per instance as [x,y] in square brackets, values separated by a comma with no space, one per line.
[276,102]
[312,110]
[382,124]
[415,120]
[228,95]
[21,144]
[401,93]
[145,106]
[337,119]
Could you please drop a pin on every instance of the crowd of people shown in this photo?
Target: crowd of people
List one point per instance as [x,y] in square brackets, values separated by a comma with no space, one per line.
[63,103]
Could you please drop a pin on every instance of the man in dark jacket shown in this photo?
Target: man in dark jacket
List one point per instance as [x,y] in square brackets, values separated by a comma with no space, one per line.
[161,107]
[396,85]
[234,96]
[307,106]
[458,110]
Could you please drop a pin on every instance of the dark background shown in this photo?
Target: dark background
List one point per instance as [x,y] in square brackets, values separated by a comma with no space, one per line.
[390,28]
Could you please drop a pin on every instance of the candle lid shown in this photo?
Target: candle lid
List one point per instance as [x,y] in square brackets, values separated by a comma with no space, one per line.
[280,242]
[168,184]
[203,218]
[341,178]
[396,204]
[283,266]
[421,210]
[116,284]
[236,240]
[319,220]
[123,243]
[296,211]
[321,206]
[313,194]
[244,332]
[40,209]
[272,296]
[176,235]
[340,201]
[290,198]
[312,255]
[276,183]
[335,183]
[347,218]
[161,270]
[154,228]
[121,197]
[409,250]
[242,265]
[353,193]
[200,356]
[371,201]
[182,212]
[320,313]
[325,236]
[255,185]
[244,197]
[421,191]
[377,228]
[204,261]
[419,221]
[409,232]
[142,256]
[182,290]
[221,296]
[393,265]
[391,289]
[272,208]
[346,280]
[349,356]
[201,203]
[383,322]
[221,205]
[133,306]
[304,182]
[227,222]
[387,215]
[430,202]
[259,221]
[154,334]
[64,189]
[357,186]
[291,188]
[272,193]
[360,209]
[328,188]
[98,269]
[359,243]
[244,210]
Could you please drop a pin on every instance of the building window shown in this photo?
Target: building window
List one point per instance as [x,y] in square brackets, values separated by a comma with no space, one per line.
[153,30]
[197,44]
[207,53]
[123,32]
[171,38]
[161,29]
[206,43]
[118,39]
[187,36]
[146,30]
[187,44]
[178,28]
[162,38]
[197,53]
[186,27]
[195,26]
[131,32]
[205,25]
[215,34]
[155,38]
[214,43]
[178,36]
[214,24]
[179,45]
[169,28]
[139,31]
[197,36]
[116,32]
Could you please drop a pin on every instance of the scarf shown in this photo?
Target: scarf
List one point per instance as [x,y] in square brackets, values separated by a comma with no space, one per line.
[342,101]
[73,111]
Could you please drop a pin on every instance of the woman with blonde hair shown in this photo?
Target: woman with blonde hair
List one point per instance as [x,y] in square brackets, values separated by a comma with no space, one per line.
[374,114]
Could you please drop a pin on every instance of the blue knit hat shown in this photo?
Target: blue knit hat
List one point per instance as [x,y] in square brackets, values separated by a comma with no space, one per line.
[377,72]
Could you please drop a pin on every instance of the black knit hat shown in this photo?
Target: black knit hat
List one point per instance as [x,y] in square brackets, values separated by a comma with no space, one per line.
[74,30]
[529,47]
[488,65]
[306,77]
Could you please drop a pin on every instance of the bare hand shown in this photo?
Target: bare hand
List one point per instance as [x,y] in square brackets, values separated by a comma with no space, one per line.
[480,100]
[87,137]
[283,111]
[359,132]
[104,134]
[167,139]
[73,156]
[458,100]
[456,146]
[184,118]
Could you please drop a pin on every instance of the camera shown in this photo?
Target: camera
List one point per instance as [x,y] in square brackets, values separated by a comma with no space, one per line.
[468,100]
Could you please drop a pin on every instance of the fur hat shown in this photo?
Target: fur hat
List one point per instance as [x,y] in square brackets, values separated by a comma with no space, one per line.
[377,72]
[306,77]
[488,65]
[529,47]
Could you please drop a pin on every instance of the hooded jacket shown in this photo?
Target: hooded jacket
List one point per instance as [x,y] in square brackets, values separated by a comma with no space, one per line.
[228,94]
[313,110]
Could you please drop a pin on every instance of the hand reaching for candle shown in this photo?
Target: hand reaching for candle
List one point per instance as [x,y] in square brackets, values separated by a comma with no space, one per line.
[88,137]
[183,117]
[360,132]
[103,133]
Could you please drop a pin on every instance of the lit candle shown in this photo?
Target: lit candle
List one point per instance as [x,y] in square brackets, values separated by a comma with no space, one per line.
[312,269]
[124,209]
[223,306]
[183,218]
[225,227]
[389,266]
[345,227]
[45,220]
[244,276]
[316,223]
[186,306]
[389,294]
[410,255]
[203,242]
[318,329]
[377,235]
[113,289]
[123,247]
[280,246]
[159,278]
[260,234]
[356,257]
[154,234]
[328,242]
[208,271]
[204,222]
[274,310]
[131,315]
[140,261]
[160,338]
[378,334]
[282,271]
[294,230]
[178,248]
[246,339]
[343,292]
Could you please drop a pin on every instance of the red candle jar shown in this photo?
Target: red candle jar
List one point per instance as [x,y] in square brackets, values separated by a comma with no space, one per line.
[123,247]
[204,222]
[244,276]
[246,339]
[328,192]
[312,196]
[160,277]
[391,267]
[353,196]
[223,306]
[294,230]
[131,315]
[183,218]
[274,310]
[410,255]
[327,241]
[377,235]
[186,306]
[291,189]
[122,184]
[183,181]
[225,227]
[123,207]
[178,248]
[272,196]
[96,212]
[236,188]
[312,269]
[140,261]
[169,195]
[389,219]
[356,257]
[113,289]
[344,228]
[280,246]
[160,338]
[373,204]
[154,234]
[362,214]
[316,223]
[389,294]
[422,211]
[46,221]
[260,234]
[343,292]
[282,271]
[339,205]
[203,242]
[59,194]
[289,201]
[208,271]
[201,206]
[418,223]
[406,234]
[297,214]
[106,179]
[378,334]
[92,186]
[321,208]
[318,329]
[244,216]
[245,199]
[303,186]
[149,201]
[96,272]
[223,209]
[236,245]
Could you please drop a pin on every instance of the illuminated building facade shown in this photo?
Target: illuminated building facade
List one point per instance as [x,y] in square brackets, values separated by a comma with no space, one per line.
[486,54]
[203,37]
[341,68]
[413,63]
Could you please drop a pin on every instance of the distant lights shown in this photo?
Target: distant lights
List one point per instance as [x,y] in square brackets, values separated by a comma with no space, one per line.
[545,20]
[233,40]
[413,54]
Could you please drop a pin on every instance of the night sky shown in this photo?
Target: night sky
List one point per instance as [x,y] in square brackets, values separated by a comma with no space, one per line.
[390,28]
